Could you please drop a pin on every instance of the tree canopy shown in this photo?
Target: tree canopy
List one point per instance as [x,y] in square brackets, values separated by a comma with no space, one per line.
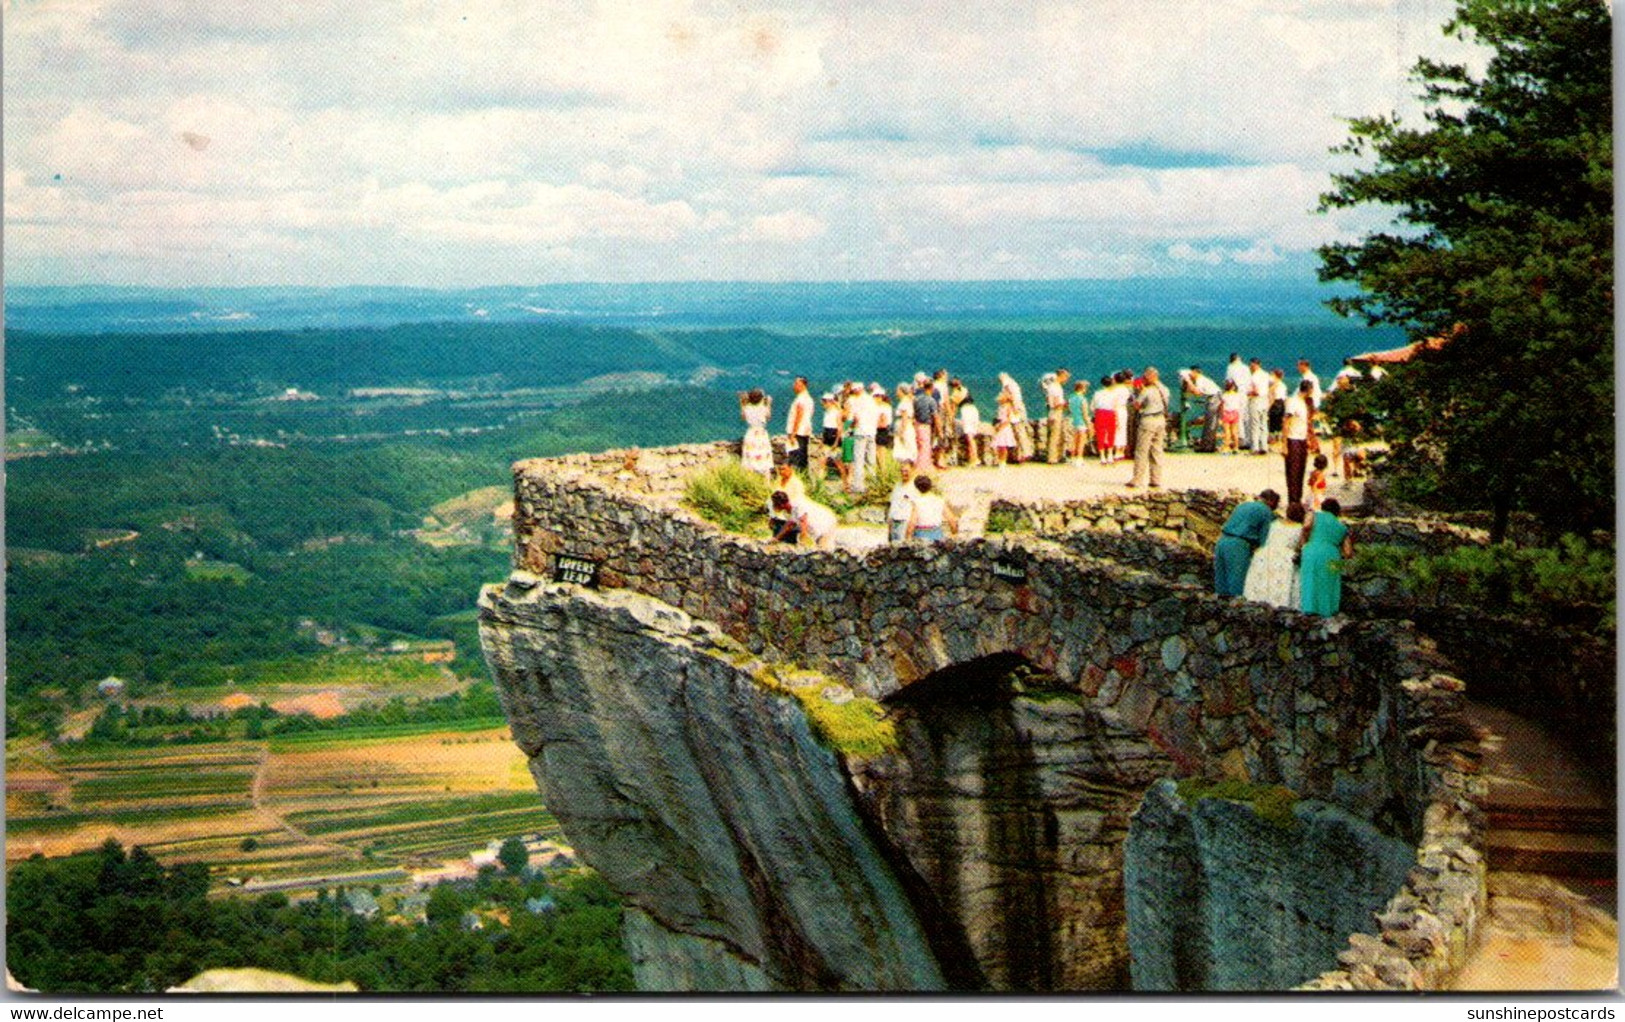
[1502,241]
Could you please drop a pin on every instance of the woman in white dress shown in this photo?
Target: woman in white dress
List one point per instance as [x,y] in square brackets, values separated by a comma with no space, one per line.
[902,431]
[756,454]
[1273,577]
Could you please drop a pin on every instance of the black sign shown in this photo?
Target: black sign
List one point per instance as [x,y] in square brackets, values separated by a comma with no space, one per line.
[575,570]
[1010,571]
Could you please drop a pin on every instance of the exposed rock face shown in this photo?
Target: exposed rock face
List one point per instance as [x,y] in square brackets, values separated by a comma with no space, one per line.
[1222,899]
[702,797]
[1012,810]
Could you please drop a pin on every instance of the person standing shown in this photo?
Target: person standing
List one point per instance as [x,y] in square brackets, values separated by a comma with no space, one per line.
[970,424]
[929,513]
[1277,395]
[865,427]
[942,432]
[1238,373]
[1258,408]
[1018,420]
[798,428]
[1326,545]
[903,445]
[883,421]
[1295,428]
[756,453]
[1121,394]
[1232,406]
[925,424]
[1307,375]
[1055,420]
[1080,419]
[901,505]
[1105,421]
[831,435]
[1152,404]
[1244,531]
[1004,437]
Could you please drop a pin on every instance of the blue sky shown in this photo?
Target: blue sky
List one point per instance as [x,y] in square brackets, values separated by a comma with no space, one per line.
[230,142]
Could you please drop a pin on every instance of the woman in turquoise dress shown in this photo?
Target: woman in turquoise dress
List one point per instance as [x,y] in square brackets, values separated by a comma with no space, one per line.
[1326,543]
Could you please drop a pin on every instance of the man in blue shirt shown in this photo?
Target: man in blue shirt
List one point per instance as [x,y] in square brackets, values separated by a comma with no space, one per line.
[1245,531]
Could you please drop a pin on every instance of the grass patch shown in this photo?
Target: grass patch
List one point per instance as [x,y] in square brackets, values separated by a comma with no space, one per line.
[1272,802]
[731,496]
[856,727]
[1004,520]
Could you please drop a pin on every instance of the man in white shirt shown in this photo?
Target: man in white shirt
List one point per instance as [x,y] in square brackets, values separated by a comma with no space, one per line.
[1258,408]
[1307,375]
[798,426]
[901,506]
[1347,376]
[1295,428]
[865,422]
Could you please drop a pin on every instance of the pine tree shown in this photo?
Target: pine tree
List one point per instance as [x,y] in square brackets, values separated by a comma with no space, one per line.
[1502,241]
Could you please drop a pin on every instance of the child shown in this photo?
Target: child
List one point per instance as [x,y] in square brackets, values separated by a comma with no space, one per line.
[1080,419]
[1317,483]
[832,435]
[970,423]
[1004,434]
[1231,403]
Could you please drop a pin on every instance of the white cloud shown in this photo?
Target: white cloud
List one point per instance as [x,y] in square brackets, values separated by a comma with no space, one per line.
[505,139]
[790,225]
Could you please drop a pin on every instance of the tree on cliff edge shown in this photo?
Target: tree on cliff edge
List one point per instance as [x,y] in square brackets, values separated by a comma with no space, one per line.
[1502,240]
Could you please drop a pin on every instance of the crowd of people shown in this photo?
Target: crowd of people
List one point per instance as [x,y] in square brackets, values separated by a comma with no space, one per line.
[933,423]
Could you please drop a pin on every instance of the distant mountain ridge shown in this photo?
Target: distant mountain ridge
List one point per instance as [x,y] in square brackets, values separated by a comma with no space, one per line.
[881,304]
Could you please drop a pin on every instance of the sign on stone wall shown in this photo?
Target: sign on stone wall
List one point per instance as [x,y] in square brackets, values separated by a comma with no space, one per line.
[1010,570]
[576,570]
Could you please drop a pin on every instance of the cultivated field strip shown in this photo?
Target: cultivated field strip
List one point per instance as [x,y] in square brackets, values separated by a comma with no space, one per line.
[320,804]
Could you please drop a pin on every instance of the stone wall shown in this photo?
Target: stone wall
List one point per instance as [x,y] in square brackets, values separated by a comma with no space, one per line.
[1155,672]
[1190,518]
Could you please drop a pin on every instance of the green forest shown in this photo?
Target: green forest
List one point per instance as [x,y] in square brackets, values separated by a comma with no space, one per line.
[117,922]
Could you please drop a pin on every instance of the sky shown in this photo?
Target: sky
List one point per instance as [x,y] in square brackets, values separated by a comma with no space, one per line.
[484,142]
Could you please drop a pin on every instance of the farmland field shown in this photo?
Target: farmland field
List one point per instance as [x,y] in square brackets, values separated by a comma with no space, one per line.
[315,804]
